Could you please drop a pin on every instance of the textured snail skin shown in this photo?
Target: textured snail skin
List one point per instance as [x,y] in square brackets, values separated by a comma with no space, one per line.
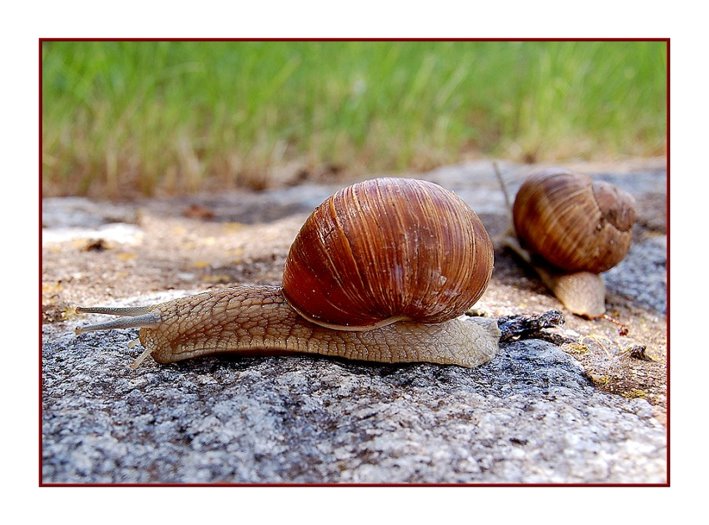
[388,249]
[253,319]
[572,222]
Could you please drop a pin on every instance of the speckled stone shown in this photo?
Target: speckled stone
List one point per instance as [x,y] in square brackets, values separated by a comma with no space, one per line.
[530,415]
[642,276]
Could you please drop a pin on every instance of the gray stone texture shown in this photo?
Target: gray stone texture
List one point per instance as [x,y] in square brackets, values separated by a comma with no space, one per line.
[529,416]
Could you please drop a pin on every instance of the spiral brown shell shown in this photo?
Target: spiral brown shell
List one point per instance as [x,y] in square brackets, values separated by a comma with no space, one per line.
[572,222]
[385,250]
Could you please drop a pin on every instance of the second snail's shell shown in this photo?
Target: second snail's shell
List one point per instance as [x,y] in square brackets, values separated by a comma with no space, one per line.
[572,222]
[385,250]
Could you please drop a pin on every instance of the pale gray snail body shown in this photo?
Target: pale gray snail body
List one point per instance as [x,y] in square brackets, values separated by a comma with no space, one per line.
[570,229]
[381,271]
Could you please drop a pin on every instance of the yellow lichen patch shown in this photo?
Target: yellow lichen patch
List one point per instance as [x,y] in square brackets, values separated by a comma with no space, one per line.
[69,313]
[574,348]
[51,288]
[634,393]
[600,380]
[231,227]
[217,278]
[200,264]
[127,256]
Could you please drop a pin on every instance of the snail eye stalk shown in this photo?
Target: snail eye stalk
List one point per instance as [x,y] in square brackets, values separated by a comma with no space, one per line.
[133,317]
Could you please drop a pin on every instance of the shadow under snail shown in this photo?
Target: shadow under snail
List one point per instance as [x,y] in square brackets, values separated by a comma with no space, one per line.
[381,271]
[570,229]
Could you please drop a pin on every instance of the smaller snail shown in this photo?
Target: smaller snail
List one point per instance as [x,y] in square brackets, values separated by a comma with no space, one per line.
[380,271]
[570,229]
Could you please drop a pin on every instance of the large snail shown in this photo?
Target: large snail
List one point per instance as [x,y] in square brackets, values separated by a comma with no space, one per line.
[381,271]
[570,229]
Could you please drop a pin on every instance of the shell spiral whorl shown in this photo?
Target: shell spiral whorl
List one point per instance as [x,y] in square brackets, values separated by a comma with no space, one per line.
[385,250]
[572,222]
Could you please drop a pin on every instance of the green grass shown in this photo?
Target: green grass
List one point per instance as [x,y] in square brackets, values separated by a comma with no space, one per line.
[121,118]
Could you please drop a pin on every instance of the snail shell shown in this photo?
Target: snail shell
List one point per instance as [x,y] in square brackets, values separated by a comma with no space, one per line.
[387,250]
[572,222]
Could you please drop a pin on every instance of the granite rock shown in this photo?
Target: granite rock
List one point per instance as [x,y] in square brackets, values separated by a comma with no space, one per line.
[529,416]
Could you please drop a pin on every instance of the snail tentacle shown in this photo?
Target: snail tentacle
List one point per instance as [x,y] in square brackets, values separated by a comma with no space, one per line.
[127,311]
[151,319]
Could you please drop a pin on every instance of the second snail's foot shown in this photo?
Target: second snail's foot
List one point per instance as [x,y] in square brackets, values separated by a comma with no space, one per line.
[582,293]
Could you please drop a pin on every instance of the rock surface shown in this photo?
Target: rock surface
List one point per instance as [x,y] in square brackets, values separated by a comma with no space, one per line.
[537,413]
[530,415]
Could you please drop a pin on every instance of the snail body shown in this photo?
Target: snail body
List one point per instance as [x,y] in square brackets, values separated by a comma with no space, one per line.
[570,229]
[381,271]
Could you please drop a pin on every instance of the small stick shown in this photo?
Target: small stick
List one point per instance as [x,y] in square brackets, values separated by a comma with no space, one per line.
[503,187]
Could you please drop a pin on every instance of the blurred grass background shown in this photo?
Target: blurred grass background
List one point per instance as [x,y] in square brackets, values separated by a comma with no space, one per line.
[122,119]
